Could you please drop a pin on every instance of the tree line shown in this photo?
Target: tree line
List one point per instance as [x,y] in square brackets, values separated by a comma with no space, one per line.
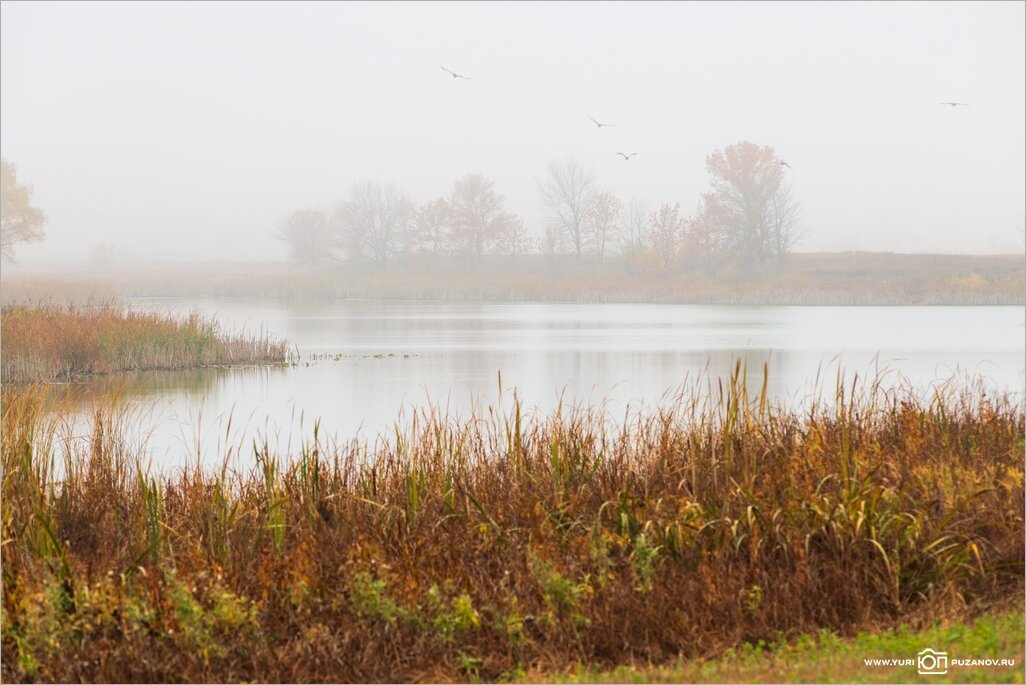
[748,218]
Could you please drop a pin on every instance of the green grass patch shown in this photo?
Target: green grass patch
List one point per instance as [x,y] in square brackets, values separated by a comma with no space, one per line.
[826,658]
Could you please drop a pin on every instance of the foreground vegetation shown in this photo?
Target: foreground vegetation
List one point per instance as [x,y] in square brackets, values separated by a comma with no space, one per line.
[506,544]
[826,657]
[802,279]
[50,342]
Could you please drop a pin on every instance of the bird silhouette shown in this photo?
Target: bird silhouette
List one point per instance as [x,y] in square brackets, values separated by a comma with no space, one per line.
[600,124]
[627,157]
[784,163]
[455,75]
[955,104]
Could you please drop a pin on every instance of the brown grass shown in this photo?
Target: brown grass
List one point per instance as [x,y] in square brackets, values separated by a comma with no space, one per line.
[50,342]
[504,544]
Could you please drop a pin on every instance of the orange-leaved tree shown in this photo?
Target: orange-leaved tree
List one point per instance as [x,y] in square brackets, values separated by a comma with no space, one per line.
[20,222]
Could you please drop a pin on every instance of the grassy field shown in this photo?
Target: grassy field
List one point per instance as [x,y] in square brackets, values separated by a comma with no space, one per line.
[814,279]
[827,658]
[51,342]
[506,546]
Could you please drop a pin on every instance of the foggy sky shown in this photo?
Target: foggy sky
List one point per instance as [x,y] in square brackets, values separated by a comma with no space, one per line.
[191,130]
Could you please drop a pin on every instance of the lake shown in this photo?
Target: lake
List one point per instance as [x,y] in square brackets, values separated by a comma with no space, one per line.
[363,362]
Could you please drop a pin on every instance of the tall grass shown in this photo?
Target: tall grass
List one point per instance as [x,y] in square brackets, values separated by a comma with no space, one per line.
[49,342]
[507,543]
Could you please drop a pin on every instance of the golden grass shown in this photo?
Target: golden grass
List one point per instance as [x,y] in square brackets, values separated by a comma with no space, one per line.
[50,342]
[503,544]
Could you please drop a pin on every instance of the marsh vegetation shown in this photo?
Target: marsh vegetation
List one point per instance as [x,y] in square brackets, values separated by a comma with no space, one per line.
[53,342]
[504,544]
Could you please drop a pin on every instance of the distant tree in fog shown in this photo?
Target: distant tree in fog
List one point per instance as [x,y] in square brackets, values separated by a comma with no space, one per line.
[602,221]
[633,225]
[20,222]
[478,223]
[705,241]
[375,222]
[744,177]
[785,215]
[432,226]
[553,241]
[568,193]
[514,240]
[667,232]
[309,237]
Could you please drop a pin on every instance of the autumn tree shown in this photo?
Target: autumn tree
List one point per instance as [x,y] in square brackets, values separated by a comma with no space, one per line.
[602,221]
[309,237]
[432,226]
[667,231]
[515,240]
[374,223]
[744,178]
[568,193]
[20,222]
[705,240]
[478,223]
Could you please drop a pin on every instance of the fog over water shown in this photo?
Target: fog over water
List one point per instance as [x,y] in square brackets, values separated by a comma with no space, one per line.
[191,130]
[364,366]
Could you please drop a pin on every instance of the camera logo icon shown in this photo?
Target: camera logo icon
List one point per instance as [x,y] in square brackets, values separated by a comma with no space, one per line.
[933,663]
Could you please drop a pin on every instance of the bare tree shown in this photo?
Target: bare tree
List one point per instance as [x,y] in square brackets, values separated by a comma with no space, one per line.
[744,178]
[602,221]
[20,222]
[309,237]
[478,222]
[553,241]
[568,193]
[667,234]
[785,215]
[374,222]
[634,225]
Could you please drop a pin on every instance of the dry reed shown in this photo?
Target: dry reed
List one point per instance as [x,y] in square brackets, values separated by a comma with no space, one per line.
[502,543]
[51,342]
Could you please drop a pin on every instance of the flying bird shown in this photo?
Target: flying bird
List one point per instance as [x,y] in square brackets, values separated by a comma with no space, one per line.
[626,157]
[600,124]
[955,104]
[455,75]
[784,163]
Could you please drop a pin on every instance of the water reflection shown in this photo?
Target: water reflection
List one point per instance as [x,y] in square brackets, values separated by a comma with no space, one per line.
[362,361]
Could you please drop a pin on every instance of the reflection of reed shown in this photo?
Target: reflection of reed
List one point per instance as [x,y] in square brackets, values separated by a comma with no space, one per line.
[192,383]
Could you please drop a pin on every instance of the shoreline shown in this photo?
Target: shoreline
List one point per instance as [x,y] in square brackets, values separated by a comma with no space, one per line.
[816,279]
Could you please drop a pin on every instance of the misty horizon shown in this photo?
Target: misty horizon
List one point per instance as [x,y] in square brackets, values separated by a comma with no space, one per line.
[192,131]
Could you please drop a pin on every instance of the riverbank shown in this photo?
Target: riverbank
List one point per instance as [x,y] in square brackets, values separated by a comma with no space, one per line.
[990,640]
[51,342]
[503,545]
[851,278]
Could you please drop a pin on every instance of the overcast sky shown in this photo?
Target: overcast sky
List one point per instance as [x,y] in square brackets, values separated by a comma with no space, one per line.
[190,130]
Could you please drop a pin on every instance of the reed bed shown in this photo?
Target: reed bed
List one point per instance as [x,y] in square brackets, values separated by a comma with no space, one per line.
[506,543]
[53,342]
[803,279]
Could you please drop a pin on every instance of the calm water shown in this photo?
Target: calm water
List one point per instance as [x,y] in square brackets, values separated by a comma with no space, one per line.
[362,362]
